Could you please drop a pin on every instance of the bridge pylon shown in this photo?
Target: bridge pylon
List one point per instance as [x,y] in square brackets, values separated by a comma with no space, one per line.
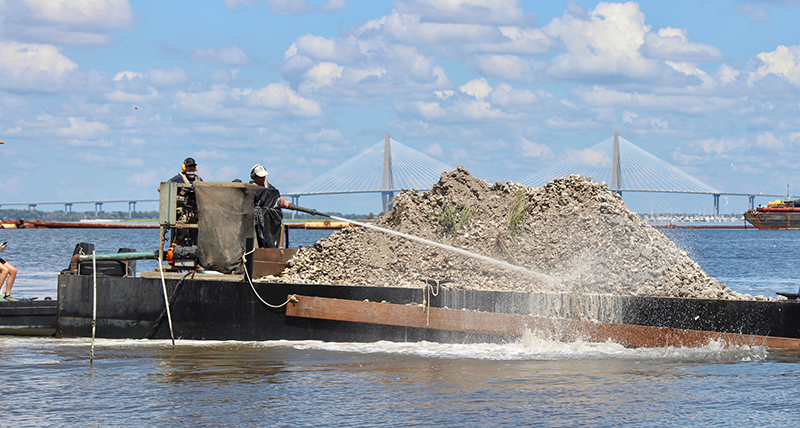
[388,177]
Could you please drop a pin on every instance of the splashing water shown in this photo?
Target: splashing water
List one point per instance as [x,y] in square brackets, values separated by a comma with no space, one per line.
[525,271]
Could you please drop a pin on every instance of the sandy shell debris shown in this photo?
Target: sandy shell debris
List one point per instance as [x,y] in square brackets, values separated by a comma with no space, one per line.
[573,229]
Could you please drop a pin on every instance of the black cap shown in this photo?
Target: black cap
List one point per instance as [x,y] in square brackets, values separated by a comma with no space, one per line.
[189,162]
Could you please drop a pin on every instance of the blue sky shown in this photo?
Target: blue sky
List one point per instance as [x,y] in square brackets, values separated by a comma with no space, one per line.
[103,99]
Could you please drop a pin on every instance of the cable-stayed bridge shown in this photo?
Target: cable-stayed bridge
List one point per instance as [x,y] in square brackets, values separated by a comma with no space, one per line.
[390,166]
[385,168]
[628,168]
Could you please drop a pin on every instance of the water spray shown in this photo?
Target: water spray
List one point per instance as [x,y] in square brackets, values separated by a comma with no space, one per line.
[505,265]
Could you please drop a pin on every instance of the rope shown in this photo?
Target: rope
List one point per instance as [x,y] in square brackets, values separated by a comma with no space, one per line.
[94,302]
[166,299]
[292,298]
[427,290]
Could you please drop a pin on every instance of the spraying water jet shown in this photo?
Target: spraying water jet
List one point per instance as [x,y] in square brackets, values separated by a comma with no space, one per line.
[505,265]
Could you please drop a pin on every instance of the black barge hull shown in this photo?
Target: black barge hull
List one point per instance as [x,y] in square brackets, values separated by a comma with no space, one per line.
[28,317]
[230,310]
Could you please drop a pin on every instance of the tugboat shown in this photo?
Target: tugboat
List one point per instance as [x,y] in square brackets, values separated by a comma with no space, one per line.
[777,215]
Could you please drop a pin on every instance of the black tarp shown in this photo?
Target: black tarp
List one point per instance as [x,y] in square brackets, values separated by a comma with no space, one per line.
[225,220]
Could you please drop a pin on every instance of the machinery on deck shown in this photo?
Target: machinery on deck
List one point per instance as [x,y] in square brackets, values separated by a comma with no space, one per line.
[206,225]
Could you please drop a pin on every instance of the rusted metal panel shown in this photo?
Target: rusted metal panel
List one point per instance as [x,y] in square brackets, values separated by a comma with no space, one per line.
[774,218]
[271,261]
[517,325]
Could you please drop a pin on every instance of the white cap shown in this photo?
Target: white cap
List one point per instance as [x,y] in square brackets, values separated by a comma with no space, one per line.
[258,171]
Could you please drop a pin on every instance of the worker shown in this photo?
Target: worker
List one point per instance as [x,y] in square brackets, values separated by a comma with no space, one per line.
[8,274]
[268,204]
[188,172]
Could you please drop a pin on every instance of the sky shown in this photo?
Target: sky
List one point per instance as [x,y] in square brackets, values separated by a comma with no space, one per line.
[103,99]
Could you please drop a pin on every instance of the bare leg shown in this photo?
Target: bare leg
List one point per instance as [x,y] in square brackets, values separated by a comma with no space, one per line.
[3,275]
[12,275]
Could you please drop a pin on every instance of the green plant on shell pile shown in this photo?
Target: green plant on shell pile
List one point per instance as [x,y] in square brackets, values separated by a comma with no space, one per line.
[453,215]
[522,207]
[515,224]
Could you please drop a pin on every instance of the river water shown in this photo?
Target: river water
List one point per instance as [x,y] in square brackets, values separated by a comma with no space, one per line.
[531,382]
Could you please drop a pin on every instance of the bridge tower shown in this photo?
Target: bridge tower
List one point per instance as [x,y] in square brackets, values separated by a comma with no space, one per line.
[616,173]
[388,178]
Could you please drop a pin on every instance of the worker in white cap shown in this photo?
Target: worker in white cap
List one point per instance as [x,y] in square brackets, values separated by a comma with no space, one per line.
[268,204]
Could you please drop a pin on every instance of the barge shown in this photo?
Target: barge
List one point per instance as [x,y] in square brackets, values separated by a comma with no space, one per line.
[206,292]
[777,215]
[206,308]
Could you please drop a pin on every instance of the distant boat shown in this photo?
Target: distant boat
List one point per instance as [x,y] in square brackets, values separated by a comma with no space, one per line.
[777,215]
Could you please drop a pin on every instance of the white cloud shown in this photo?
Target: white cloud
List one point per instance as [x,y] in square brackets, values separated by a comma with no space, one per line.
[325,135]
[599,96]
[80,128]
[504,95]
[167,76]
[673,44]
[223,75]
[277,96]
[458,110]
[768,141]
[105,13]
[501,12]
[26,64]
[434,150]
[322,74]
[324,49]
[531,149]
[560,123]
[783,61]
[226,56]
[248,106]
[592,157]
[478,88]
[727,74]
[459,38]
[128,75]
[64,21]
[119,96]
[516,40]
[718,145]
[408,29]
[605,44]
[508,67]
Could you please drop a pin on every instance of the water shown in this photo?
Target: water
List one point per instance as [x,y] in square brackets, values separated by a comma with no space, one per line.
[757,262]
[50,382]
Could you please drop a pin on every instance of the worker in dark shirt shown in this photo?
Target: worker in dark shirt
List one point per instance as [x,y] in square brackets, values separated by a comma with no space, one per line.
[188,172]
[268,204]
